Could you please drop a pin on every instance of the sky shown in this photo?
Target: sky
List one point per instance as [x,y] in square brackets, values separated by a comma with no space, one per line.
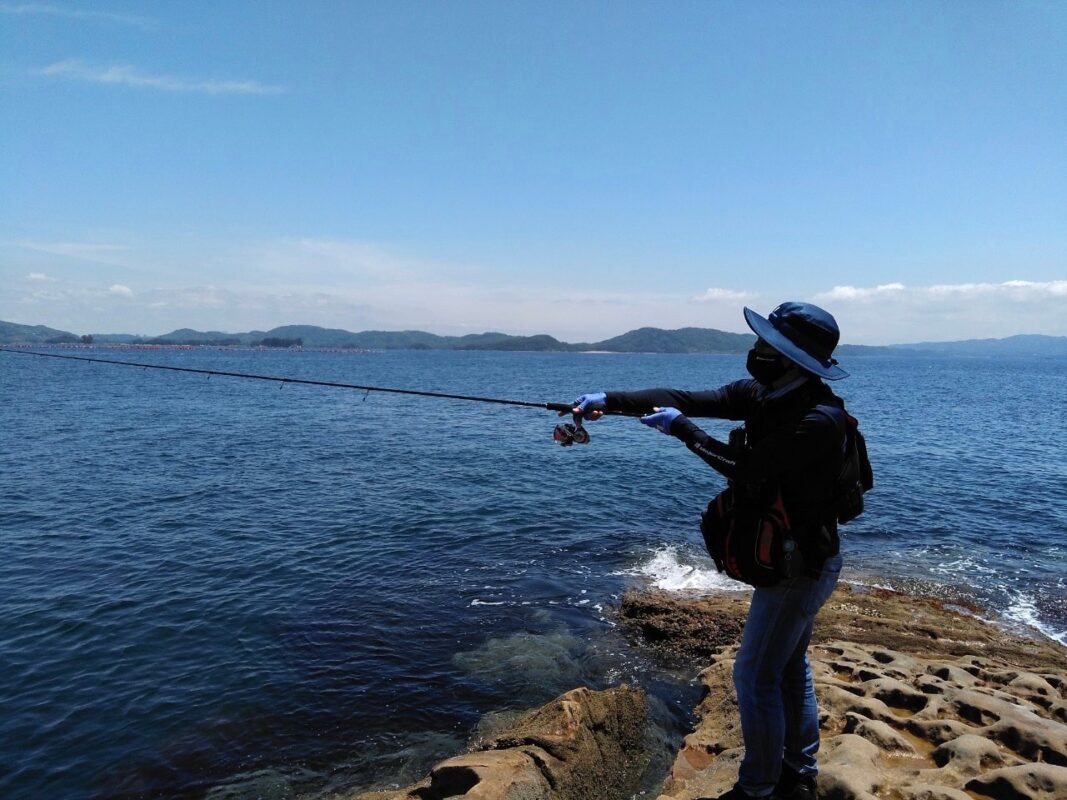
[577,169]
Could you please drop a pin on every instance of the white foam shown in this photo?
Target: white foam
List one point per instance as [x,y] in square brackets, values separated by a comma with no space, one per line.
[964,565]
[664,570]
[866,584]
[477,602]
[1022,609]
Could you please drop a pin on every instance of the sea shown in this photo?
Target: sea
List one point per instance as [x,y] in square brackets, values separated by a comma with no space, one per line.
[216,587]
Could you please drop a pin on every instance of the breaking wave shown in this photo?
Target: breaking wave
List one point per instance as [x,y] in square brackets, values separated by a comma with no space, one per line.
[674,569]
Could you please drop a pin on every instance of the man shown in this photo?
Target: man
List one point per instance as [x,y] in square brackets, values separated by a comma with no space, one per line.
[789,441]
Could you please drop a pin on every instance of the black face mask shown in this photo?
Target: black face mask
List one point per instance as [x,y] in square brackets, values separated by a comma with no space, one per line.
[765,367]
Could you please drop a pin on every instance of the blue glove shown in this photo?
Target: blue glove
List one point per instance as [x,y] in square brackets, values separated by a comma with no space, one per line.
[661,420]
[594,401]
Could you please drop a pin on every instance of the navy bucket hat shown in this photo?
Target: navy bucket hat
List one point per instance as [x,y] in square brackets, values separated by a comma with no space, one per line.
[803,333]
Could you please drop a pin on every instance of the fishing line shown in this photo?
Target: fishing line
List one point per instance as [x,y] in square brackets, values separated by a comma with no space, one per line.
[282,380]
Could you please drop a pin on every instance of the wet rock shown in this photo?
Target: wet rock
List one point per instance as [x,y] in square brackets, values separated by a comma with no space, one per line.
[584,745]
[697,629]
[917,702]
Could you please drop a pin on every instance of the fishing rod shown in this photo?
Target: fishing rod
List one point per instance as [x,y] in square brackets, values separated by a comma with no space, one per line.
[565,433]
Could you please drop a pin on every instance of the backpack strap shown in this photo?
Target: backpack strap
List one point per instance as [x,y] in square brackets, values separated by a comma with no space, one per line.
[845,423]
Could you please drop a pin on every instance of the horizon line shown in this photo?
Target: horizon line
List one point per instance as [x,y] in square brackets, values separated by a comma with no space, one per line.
[522,335]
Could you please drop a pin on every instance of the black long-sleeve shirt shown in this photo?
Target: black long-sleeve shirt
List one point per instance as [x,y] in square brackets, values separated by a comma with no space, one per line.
[787,440]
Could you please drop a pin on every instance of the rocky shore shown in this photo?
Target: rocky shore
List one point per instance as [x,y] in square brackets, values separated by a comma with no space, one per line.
[919,700]
[584,745]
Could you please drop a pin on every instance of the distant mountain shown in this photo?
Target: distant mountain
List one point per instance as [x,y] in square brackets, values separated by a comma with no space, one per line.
[1021,345]
[310,335]
[540,343]
[682,340]
[641,340]
[116,338]
[845,350]
[189,336]
[399,340]
[13,333]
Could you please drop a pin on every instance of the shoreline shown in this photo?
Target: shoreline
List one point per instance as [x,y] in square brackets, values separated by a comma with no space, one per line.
[670,569]
[920,699]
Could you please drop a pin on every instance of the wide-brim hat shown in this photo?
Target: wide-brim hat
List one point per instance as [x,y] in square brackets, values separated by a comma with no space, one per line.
[803,333]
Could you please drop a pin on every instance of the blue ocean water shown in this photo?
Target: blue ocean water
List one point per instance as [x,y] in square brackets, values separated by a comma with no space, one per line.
[223,588]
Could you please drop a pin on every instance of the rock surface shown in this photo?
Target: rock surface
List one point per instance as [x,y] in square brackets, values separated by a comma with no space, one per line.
[918,701]
[584,745]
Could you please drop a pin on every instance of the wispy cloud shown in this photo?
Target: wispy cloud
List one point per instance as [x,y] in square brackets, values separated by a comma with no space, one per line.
[359,285]
[304,261]
[86,251]
[1009,290]
[730,295]
[1016,290]
[46,10]
[124,75]
[194,298]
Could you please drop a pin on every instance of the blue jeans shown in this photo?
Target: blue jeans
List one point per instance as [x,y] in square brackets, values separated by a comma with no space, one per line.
[775,690]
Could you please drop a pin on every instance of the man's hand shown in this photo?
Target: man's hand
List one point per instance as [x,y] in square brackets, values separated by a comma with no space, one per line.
[590,406]
[661,418]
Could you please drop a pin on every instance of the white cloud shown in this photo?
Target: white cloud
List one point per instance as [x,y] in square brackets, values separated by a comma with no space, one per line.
[1015,290]
[723,294]
[45,10]
[123,75]
[360,285]
[853,293]
[447,305]
[897,313]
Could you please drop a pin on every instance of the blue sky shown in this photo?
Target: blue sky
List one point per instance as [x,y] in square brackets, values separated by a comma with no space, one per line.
[578,169]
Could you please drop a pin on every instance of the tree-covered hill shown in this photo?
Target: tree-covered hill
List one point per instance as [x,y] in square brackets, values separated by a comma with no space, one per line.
[682,340]
[641,340]
[13,333]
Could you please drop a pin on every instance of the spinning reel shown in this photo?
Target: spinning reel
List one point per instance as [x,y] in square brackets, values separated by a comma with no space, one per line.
[568,433]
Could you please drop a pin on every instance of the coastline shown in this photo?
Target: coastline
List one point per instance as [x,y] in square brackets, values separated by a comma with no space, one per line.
[920,699]
[676,571]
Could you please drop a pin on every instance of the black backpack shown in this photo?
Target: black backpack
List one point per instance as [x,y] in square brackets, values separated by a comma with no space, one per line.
[856,477]
[749,536]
